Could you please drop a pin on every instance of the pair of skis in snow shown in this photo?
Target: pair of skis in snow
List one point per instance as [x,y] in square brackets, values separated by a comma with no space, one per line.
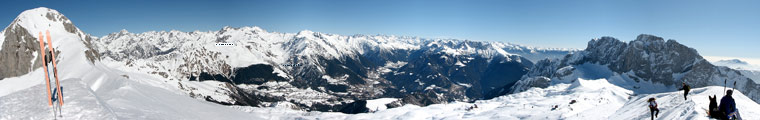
[51,73]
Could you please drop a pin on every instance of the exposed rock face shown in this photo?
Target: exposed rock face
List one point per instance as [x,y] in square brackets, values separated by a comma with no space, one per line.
[19,51]
[20,47]
[648,58]
[359,106]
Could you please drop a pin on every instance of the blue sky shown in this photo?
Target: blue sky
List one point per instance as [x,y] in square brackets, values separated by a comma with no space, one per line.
[714,28]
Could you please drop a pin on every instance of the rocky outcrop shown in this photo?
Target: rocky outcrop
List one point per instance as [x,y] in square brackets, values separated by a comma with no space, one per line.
[18,53]
[647,59]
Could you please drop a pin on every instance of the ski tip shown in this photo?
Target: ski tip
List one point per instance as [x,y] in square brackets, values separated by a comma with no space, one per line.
[40,38]
[47,33]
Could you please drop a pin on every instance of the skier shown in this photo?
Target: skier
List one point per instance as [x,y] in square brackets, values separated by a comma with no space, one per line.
[653,108]
[686,89]
[728,106]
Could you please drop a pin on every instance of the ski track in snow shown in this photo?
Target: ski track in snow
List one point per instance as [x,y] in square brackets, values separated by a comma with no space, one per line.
[596,100]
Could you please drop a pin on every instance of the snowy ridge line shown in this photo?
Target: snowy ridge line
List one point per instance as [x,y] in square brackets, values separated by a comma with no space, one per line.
[506,45]
[177,55]
[301,43]
[643,64]
[253,45]
[112,89]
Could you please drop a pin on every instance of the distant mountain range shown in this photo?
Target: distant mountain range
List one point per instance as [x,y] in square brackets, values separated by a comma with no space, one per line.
[249,66]
[319,71]
[750,70]
[305,70]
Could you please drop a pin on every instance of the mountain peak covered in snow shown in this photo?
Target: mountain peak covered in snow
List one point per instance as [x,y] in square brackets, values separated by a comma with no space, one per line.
[644,61]
[20,46]
[305,33]
[38,13]
[747,69]
[152,75]
[738,64]
[329,65]
[42,18]
[123,31]
[89,83]
[733,61]
[253,29]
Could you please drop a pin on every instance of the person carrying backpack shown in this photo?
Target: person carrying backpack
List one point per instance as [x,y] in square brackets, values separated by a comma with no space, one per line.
[686,89]
[653,108]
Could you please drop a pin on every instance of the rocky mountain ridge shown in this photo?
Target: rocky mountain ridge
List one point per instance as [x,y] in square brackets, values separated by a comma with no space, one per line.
[649,62]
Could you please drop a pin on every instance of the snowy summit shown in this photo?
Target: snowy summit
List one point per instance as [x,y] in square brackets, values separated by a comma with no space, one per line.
[312,75]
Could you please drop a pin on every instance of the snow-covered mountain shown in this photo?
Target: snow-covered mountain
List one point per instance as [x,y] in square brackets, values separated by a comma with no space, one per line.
[270,75]
[737,64]
[648,64]
[91,89]
[750,70]
[319,71]
[305,70]
[20,47]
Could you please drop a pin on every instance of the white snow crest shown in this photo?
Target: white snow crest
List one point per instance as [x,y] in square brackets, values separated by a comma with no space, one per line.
[379,104]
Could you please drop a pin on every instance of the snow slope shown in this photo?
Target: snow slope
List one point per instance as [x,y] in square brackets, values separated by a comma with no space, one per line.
[94,91]
[14,84]
[31,103]
[674,107]
[379,104]
[116,98]
[595,100]
[97,90]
